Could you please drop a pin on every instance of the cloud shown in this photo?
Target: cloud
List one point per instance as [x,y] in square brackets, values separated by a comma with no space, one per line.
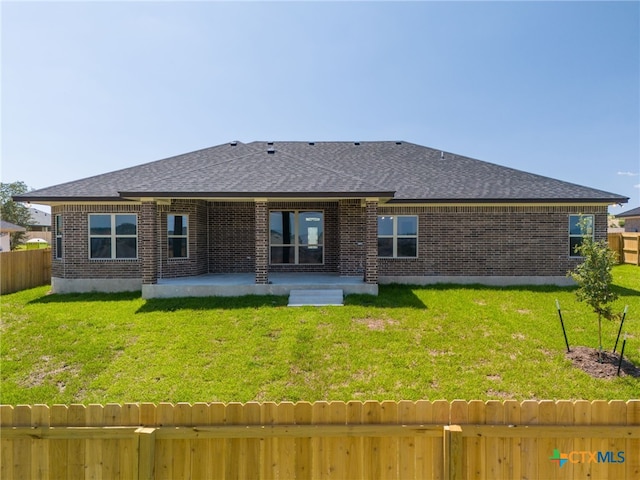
[628,174]
[637,185]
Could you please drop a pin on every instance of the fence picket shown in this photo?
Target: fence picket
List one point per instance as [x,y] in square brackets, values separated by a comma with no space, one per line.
[181,464]
[441,415]
[529,416]
[582,416]
[495,457]
[302,416]
[129,416]
[6,446]
[217,415]
[512,449]
[407,452]
[22,448]
[371,445]
[354,445]
[164,448]
[58,449]
[632,461]
[40,417]
[76,417]
[617,416]
[546,416]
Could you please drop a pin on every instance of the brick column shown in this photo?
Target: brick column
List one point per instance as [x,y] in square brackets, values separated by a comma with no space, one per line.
[371,241]
[148,242]
[352,227]
[262,242]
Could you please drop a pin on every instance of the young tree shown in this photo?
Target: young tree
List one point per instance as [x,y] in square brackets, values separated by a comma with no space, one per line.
[594,277]
[14,212]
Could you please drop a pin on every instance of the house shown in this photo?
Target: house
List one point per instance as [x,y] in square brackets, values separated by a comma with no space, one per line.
[6,229]
[631,220]
[39,225]
[260,217]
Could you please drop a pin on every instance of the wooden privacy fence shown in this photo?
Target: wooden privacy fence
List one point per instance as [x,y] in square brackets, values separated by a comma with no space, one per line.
[23,269]
[626,245]
[353,440]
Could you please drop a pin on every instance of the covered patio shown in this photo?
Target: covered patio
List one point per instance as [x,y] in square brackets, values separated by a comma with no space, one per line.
[236,284]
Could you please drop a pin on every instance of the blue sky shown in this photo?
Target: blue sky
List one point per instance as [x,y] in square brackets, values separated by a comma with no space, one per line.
[552,88]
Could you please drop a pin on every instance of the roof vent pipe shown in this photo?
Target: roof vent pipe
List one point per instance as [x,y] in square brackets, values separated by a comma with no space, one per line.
[441,155]
[271,151]
[234,143]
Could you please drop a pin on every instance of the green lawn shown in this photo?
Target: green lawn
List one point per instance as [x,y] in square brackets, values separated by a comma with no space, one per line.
[443,342]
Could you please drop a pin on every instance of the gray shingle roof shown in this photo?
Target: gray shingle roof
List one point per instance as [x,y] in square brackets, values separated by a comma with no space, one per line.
[634,212]
[10,227]
[39,218]
[402,171]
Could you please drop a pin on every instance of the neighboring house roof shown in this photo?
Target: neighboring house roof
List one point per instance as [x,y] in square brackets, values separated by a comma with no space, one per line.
[39,218]
[635,212]
[401,172]
[8,227]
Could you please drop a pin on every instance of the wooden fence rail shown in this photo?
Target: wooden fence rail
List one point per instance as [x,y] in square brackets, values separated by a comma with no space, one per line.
[397,440]
[24,269]
[626,245]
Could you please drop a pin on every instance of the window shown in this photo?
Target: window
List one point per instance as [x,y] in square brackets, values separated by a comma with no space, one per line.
[58,233]
[398,236]
[113,235]
[296,237]
[177,236]
[580,226]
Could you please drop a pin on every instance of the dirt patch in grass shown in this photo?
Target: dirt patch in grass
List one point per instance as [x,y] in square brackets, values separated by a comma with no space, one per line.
[586,359]
[378,324]
[48,371]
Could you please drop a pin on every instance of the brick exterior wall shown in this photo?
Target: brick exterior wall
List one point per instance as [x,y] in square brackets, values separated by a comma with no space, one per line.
[232,234]
[491,241]
[148,242]
[196,262]
[452,240]
[262,242]
[371,262]
[75,262]
[352,239]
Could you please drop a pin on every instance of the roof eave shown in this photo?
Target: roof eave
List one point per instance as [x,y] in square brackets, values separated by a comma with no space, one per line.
[603,201]
[61,199]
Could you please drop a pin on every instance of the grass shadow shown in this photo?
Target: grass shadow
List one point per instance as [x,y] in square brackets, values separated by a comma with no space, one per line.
[626,292]
[211,303]
[86,297]
[389,296]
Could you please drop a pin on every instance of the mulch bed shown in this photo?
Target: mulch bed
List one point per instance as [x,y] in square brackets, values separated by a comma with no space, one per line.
[586,359]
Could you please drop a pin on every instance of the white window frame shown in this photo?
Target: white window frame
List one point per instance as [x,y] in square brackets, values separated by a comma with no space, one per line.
[186,237]
[573,254]
[113,236]
[58,232]
[296,246]
[395,235]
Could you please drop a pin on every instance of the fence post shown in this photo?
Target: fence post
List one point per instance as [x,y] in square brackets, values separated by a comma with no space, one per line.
[146,452]
[452,451]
